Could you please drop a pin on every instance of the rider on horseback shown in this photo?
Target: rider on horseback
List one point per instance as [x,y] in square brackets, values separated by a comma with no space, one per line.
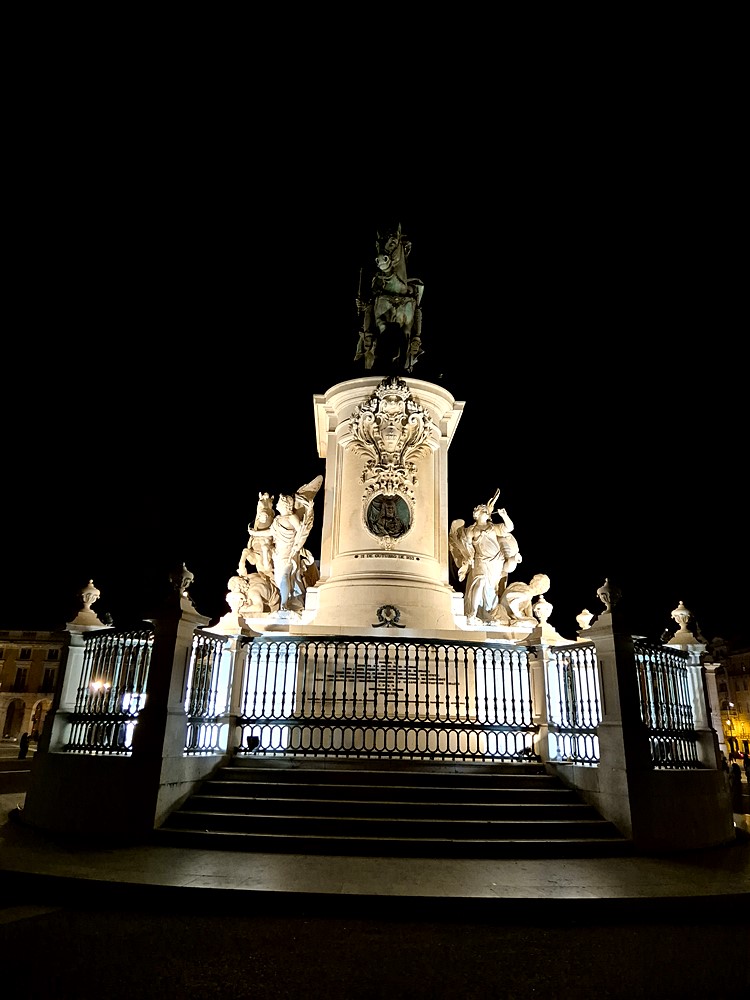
[395,304]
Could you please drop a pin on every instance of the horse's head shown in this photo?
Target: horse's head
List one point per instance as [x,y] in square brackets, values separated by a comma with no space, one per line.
[392,251]
[264,511]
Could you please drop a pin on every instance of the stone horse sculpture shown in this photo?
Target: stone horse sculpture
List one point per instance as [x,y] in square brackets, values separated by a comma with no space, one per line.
[275,547]
[394,311]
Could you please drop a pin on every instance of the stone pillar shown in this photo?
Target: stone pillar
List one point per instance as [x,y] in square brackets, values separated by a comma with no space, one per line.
[56,725]
[159,737]
[624,755]
[238,648]
[124,795]
[659,808]
[538,657]
[385,442]
[55,732]
[162,720]
[714,706]
[708,741]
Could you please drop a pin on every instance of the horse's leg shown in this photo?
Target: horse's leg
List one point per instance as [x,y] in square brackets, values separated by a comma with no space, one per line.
[397,344]
[407,317]
[359,353]
[370,351]
[382,311]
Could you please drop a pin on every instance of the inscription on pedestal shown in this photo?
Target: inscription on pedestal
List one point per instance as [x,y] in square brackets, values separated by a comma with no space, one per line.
[425,688]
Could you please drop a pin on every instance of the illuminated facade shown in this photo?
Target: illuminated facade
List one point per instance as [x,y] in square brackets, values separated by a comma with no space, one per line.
[29,666]
[733,686]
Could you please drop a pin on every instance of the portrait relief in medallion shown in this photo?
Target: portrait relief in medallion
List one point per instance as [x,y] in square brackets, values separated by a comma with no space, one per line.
[388,516]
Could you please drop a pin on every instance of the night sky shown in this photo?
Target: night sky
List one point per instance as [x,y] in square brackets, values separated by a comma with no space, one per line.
[173,334]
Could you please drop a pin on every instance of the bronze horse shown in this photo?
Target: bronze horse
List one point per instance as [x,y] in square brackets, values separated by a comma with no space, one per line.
[395,305]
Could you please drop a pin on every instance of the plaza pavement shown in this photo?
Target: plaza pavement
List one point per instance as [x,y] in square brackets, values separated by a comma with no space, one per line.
[83,921]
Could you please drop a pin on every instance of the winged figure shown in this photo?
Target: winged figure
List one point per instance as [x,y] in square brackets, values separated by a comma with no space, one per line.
[484,554]
[294,568]
[303,507]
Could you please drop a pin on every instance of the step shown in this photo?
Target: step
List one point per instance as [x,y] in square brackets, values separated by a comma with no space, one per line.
[490,776]
[510,793]
[390,808]
[403,847]
[304,805]
[347,825]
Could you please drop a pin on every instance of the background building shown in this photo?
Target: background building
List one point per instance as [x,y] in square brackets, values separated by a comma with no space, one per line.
[733,686]
[29,665]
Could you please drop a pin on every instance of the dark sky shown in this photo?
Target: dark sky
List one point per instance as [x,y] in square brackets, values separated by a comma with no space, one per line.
[174,326]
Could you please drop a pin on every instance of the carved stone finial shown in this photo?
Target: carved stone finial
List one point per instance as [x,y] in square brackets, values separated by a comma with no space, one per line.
[681,615]
[609,595]
[584,619]
[89,595]
[181,579]
[86,617]
[683,636]
[542,610]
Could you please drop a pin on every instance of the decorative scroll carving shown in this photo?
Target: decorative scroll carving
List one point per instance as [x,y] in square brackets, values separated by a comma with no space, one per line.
[392,430]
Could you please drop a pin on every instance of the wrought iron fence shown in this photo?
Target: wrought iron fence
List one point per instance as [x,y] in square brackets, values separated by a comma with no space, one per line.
[666,705]
[356,697]
[209,691]
[575,711]
[111,692]
[574,708]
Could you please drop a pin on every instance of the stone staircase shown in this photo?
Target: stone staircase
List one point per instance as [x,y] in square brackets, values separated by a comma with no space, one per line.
[390,808]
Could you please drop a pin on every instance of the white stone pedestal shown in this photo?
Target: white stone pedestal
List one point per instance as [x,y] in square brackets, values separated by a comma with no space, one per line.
[384,438]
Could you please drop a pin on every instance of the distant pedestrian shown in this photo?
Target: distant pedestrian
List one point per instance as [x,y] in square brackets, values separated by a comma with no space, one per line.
[746,765]
[23,746]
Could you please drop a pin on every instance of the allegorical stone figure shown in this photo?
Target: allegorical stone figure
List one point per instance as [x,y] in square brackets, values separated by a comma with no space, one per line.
[294,568]
[257,552]
[516,604]
[484,553]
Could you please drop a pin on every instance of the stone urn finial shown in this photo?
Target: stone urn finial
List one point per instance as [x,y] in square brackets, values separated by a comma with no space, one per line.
[89,595]
[609,595]
[542,610]
[681,615]
[683,636]
[86,617]
[181,579]
[584,619]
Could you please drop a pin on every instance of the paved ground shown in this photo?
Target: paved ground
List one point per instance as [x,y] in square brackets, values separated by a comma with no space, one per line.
[81,922]
[81,952]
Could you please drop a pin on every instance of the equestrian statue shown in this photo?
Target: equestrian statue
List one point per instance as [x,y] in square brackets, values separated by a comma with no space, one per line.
[391,321]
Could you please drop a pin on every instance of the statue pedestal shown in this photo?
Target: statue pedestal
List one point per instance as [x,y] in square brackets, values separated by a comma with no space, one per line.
[384,439]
